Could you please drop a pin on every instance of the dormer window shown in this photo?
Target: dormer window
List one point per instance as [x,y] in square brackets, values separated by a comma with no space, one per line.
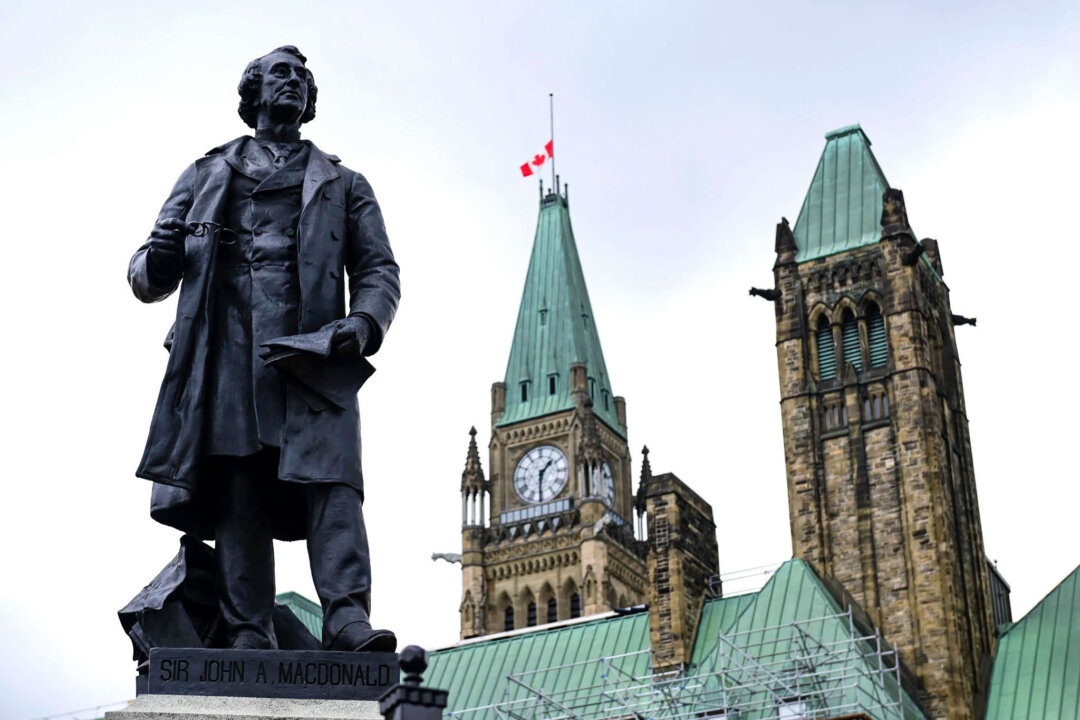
[592,388]
[606,399]
[525,391]
[553,383]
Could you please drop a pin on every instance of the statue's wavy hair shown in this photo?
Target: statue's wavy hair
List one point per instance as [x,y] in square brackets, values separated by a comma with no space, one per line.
[251,81]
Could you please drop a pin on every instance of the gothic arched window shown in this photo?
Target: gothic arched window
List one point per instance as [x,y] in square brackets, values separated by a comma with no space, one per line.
[875,327]
[575,605]
[530,618]
[509,618]
[826,351]
[553,611]
[852,347]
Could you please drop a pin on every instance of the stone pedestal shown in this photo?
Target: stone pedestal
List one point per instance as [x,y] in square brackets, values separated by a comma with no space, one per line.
[302,682]
[194,707]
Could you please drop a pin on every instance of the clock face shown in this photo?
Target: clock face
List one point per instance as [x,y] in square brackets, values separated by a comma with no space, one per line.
[541,474]
[607,485]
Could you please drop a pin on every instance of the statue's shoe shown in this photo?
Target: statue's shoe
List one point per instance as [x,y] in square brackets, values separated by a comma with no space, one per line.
[249,640]
[361,637]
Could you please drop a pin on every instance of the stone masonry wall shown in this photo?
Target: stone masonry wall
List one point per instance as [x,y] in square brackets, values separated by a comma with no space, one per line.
[683,556]
[886,504]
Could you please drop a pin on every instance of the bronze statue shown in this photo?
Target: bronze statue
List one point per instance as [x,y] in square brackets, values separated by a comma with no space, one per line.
[269,238]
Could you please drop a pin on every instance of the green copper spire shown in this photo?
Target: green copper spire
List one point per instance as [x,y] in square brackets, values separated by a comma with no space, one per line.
[842,209]
[555,328]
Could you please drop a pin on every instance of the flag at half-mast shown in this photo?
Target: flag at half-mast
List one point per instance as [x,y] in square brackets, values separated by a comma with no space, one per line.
[539,159]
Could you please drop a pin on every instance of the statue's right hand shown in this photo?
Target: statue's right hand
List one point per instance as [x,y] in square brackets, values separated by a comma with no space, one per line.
[167,245]
[168,235]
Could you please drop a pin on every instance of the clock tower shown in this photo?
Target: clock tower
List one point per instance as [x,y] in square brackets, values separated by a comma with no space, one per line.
[558,541]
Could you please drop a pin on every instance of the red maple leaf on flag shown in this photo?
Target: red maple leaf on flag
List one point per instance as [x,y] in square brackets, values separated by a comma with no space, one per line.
[538,159]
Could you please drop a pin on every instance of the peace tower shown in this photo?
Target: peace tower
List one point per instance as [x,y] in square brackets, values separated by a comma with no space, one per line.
[559,541]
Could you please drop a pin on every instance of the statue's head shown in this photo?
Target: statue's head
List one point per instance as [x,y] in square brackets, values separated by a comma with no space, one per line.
[279,84]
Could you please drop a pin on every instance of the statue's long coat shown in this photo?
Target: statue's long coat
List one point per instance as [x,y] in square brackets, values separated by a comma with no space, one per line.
[341,234]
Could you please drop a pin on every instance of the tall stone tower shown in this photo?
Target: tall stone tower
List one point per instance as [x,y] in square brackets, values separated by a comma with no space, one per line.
[558,542]
[881,486]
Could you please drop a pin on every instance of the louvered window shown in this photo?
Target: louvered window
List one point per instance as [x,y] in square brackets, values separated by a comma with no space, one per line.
[531,616]
[879,346]
[553,611]
[575,605]
[850,333]
[826,351]
[508,620]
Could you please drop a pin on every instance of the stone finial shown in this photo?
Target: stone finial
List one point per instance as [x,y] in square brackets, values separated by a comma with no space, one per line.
[894,220]
[413,661]
[785,239]
[590,450]
[933,254]
[646,468]
[409,700]
[473,475]
[646,476]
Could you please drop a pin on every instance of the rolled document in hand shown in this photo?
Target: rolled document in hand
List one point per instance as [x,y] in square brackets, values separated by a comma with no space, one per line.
[322,379]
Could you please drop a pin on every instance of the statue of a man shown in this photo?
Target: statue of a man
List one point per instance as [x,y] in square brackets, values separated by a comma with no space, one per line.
[262,235]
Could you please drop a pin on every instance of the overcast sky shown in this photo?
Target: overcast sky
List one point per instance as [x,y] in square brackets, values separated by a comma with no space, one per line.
[686,130]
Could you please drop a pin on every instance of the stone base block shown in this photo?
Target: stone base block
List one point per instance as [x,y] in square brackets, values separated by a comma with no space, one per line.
[194,707]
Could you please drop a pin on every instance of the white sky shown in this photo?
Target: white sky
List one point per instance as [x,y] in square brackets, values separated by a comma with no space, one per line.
[685,131]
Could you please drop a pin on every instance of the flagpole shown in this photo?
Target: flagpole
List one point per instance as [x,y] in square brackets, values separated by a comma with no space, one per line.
[551,109]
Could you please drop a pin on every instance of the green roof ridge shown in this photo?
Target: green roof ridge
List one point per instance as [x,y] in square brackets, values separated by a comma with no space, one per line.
[306,611]
[1038,659]
[842,208]
[555,327]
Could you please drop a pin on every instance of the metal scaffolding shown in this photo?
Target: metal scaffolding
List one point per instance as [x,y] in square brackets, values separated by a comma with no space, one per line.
[812,669]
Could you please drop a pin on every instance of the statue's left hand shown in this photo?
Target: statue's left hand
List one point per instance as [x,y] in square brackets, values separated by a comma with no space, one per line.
[351,336]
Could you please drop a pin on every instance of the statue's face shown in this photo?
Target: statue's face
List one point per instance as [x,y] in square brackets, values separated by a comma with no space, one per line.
[284,92]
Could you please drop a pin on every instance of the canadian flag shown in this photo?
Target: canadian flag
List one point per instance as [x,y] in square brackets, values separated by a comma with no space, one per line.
[539,159]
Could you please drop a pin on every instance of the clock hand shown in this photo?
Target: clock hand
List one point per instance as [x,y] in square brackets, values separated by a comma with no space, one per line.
[540,481]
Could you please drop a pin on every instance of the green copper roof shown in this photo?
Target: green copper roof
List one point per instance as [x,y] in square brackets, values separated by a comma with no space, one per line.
[555,327]
[752,652]
[307,611]
[1037,667]
[794,620]
[842,209]
[502,669]
[717,616]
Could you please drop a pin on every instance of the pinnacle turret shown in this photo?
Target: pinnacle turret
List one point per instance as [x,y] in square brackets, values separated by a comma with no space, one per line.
[472,478]
[646,476]
[474,488]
